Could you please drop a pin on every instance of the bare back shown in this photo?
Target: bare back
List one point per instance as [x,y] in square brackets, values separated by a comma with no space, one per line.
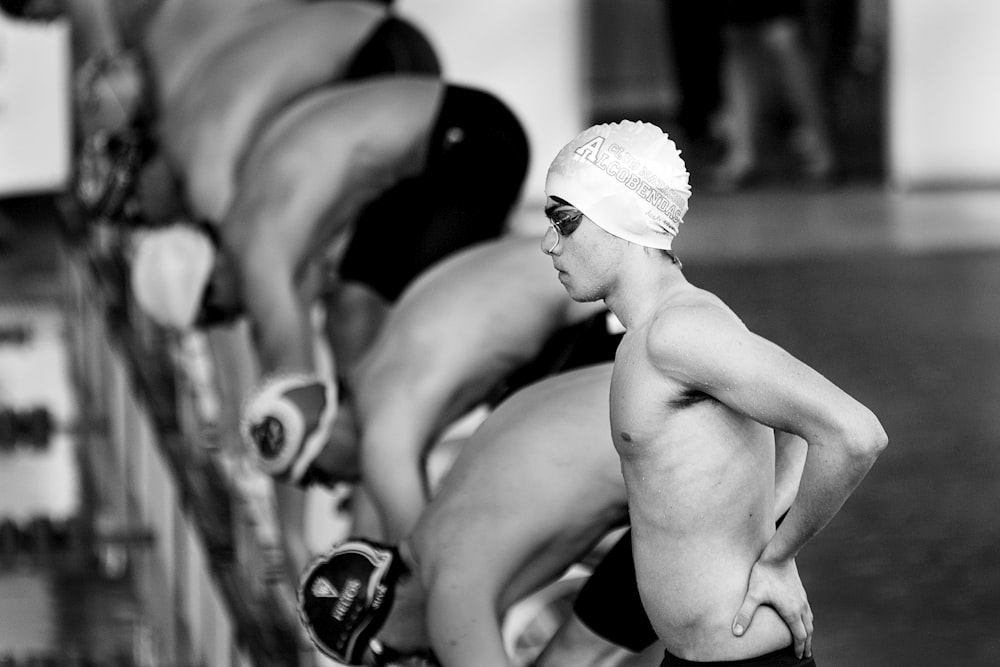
[700,478]
[183,32]
[463,326]
[270,59]
[531,493]
[326,157]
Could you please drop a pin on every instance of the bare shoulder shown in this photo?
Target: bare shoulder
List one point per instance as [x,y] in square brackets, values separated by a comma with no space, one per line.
[688,330]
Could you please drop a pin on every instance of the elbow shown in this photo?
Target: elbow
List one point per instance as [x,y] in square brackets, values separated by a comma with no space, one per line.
[867,439]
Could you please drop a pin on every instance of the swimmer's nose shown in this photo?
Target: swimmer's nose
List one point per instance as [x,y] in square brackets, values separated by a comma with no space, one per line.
[550,241]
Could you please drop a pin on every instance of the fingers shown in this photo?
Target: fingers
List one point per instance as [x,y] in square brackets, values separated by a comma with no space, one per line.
[800,624]
[808,620]
[799,634]
[801,627]
[745,615]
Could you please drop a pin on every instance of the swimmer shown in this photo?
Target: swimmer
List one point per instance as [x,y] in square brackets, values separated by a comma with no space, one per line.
[510,516]
[590,633]
[381,167]
[179,36]
[457,332]
[264,56]
[371,180]
[464,330]
[267,62]
[152,46]
[120,176]
[696,400]
[532,491]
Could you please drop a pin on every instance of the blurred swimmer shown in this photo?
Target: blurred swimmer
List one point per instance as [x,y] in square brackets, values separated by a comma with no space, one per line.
[383,166]
[512,514]
[459,336]
[265,64]
[237,76]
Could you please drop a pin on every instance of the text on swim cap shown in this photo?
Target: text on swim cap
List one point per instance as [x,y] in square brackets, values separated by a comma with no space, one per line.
[343,605]
[628,170]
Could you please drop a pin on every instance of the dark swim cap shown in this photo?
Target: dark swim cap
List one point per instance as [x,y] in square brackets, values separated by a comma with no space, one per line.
[345,597]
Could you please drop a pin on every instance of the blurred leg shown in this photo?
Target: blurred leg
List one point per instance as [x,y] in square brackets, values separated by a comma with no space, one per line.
[798,76]
[740,78]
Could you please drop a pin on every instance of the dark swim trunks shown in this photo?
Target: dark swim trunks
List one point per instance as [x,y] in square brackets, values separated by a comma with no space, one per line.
[395,46]
[609,602]
[759,11]
[476,165]
[782,658]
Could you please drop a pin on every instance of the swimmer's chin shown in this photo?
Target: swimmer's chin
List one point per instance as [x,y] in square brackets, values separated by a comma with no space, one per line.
[575,294]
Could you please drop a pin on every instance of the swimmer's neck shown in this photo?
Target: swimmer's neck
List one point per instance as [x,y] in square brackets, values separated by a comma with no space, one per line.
[642,288]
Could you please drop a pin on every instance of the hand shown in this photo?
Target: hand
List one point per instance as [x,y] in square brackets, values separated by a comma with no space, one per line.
[777,584]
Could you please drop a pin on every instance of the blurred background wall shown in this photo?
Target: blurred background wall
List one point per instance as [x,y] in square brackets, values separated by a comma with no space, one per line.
[917,81]
[565,64]
[943,97]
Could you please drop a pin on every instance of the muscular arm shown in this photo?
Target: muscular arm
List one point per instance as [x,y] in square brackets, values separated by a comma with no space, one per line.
[302,185]
[477,629]
[279,324]
[277,310]
[759,379]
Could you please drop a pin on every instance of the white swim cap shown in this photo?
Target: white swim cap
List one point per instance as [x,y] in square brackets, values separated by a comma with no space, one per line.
[627,177]
[171,267]
[286,421]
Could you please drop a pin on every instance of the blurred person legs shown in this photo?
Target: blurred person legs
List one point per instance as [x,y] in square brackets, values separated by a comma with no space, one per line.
[754,35]
[695,50]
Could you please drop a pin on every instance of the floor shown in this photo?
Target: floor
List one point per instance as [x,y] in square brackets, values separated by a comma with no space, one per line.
[894,296]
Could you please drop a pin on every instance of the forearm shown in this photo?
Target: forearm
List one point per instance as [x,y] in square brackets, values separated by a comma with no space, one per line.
[397,488]
[279,321]
[830,474]
[290,506]
[464,629]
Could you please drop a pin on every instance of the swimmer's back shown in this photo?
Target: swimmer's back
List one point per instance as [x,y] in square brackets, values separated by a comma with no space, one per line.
[479,313]
[500,281]
[503,497]
[268,63]
[182,33]
[327,156]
